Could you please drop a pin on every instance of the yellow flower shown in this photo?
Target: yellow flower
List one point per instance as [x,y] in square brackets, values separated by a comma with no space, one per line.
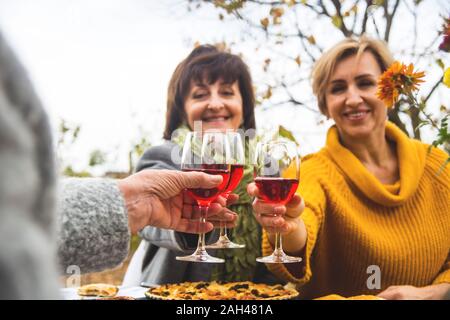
[396,80]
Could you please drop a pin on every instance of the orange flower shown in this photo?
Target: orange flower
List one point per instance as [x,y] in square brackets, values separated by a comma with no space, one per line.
[398,79]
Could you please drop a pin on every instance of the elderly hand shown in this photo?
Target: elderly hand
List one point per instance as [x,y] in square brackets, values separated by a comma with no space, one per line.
[433,292]
[158,198]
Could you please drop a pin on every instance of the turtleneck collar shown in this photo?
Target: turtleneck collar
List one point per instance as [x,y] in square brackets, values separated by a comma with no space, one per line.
[411,158]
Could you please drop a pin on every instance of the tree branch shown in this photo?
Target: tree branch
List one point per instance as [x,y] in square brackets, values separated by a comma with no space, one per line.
[355,18]
[366,16]
[342,27]
[436,85]
[389,18]
[375,26]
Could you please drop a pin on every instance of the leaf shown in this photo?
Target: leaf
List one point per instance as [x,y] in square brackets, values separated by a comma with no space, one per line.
[298,60]
[268,93]
[440,63]
[292,3]
[277,12]
[447,77]
[311,39]
[378,2]
[276,20]
[265,23]
[97,157]
[337,21]
[285,133]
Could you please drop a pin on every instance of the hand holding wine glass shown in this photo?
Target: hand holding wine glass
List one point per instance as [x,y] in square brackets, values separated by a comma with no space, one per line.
[277,170]
[274,217]
[209,153]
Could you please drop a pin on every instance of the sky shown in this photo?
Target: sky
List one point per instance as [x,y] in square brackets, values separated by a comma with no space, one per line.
[105,65]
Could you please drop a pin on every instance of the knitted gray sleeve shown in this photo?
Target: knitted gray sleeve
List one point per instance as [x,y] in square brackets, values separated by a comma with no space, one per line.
[94,232]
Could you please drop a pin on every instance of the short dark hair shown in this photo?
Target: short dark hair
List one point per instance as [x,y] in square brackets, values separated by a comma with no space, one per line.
[207,63]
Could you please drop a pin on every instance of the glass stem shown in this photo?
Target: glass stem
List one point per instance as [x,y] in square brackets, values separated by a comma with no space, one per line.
[278,251]
[201,238]
[223,229]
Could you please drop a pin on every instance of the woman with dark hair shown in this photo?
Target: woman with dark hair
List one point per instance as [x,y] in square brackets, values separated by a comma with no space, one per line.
[212,89]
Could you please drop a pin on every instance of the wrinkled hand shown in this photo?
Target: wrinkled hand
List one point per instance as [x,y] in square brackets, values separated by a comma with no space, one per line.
[433,292]
[276,218]
[157,198]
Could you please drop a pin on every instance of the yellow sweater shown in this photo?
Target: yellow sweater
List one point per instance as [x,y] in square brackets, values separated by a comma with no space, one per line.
[354,222]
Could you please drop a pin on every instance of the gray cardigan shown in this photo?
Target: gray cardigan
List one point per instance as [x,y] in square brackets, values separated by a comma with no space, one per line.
[89,227]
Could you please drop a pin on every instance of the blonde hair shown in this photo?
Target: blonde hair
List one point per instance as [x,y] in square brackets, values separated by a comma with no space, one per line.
[324,67]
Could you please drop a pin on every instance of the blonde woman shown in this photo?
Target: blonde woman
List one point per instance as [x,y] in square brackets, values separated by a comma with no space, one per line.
[375,214]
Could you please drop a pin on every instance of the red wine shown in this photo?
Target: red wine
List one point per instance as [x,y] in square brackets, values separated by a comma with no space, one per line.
[276,190]
[236,172]
[205,196]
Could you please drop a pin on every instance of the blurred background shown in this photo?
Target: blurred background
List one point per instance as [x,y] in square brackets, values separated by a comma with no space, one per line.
[101,67]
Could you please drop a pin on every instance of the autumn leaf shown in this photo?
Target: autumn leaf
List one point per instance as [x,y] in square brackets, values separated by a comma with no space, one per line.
[378,2]
[265,23]
[292,3]
[337,21]
[276,12]
[298,60]
[311,40]
[268,93]
[440,63]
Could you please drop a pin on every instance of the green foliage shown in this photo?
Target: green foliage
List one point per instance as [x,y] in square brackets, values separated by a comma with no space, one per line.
[137,151]
[97,157]
[443,136]
[285,133]
[68,133]
[69,172]
[229,5]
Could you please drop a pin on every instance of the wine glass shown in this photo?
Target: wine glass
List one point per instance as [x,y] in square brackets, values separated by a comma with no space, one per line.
[205,152]
[237,161]
[277,170]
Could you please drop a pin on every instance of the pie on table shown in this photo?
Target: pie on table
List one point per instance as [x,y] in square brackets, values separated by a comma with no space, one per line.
[215,290]
[98,289]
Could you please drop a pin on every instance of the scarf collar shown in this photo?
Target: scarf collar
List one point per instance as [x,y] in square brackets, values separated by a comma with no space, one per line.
[411,158]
